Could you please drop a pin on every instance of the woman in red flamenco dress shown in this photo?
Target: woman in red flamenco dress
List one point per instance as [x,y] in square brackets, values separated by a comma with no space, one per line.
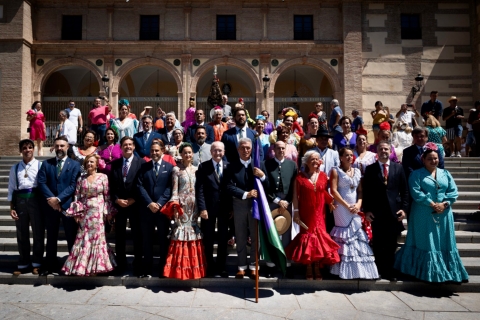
[37,126]
[313,244]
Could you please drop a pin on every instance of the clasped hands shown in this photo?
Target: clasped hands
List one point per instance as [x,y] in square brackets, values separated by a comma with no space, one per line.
[354,208]
[438,207]
[54,203]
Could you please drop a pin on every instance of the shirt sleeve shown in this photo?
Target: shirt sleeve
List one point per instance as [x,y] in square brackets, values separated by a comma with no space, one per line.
[11,183]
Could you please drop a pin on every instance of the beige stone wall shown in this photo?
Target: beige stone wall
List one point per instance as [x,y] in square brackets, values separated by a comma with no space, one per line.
[443,55]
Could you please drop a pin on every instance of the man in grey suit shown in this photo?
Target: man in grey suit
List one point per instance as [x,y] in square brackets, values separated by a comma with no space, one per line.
[281,174]
[201,149]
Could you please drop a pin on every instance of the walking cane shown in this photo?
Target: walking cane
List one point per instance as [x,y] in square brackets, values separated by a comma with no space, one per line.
[256,263]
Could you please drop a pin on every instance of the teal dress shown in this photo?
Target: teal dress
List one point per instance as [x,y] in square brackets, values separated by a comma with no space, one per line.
[435,135]
[430,251]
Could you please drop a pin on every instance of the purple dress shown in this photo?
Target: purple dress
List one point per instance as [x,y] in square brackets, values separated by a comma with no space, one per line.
[108,155]
[268,128]
[340,142]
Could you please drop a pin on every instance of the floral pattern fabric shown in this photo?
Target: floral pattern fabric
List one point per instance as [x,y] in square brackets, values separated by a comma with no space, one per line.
[90,253]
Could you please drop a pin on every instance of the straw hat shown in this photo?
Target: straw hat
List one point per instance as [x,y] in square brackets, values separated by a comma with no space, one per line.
[282,221]
[452,98]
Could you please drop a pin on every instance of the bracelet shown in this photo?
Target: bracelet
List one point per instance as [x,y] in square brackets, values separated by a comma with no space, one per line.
[295,210]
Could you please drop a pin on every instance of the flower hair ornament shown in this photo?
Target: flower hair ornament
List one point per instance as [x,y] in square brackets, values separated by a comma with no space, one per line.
[260,117]
[312,115]
[430,146]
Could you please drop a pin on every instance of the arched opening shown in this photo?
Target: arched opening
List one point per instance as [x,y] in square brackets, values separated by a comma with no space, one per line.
[150,86]
[234,82]
[301,87]
[70,82]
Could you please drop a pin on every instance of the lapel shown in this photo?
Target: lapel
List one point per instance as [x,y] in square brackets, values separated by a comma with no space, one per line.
[379,173]
[131,171]
[214,171]
[235,138]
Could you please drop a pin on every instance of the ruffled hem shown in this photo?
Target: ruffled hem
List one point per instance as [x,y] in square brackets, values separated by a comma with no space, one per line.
[431,266]
[90,259]
[185,260]
[307,248]
[186,233]
[357,260]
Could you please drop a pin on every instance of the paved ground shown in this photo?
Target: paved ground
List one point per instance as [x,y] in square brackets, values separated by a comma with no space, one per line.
[49,302]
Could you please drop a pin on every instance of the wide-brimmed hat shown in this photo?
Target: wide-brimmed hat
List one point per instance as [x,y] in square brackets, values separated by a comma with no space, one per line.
[282,220]
[452,98]
[322,132]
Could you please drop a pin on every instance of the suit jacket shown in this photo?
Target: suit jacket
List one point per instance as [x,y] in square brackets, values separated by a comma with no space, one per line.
[241,179]
[142,147]
[201,153]
[163,134]
[412,160]
[210,191]
[190,135]
[230,140]
[287,174]
[384,201]
[120,189]
[153,188]
[63,186]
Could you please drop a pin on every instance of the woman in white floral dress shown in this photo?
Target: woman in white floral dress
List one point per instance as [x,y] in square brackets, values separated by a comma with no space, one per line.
[90,253]
[186,256]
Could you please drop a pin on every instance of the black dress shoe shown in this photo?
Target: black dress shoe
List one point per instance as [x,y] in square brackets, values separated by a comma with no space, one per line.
[224,274]
[45,272]
[269,272]
[289,274]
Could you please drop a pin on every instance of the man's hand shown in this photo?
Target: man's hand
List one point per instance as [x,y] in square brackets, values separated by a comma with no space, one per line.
[283,204]
[252,194]
[369,216]
[122,203]
[54,203]
[401,215]
[14,215]
[153,207]
[258,173]
[130,201]
[204,214]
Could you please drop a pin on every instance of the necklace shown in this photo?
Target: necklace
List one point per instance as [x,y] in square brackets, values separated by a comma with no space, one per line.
[26,169]
[189,179]
[350,173]
[315,181]
[110,151]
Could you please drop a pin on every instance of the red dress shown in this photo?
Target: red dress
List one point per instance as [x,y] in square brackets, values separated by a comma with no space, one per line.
[314,244]
[37,128]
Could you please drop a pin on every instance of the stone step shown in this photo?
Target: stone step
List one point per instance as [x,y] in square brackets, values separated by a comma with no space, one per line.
[460,236]
[466,174]
[453,170]
[468,187]
[466,205]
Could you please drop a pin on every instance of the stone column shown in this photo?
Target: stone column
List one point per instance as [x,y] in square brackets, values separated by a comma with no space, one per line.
[187,11]
[108,70]
[265,69]
[265,20]
[352,56]
[184,93]
[110,23]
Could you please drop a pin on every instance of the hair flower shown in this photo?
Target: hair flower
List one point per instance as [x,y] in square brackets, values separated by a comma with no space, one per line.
[101,164]
[430,146]
[260,117]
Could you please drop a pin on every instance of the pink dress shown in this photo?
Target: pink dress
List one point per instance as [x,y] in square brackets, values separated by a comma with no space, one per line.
[189,118]
[37,125]
[90,252]
[108,154]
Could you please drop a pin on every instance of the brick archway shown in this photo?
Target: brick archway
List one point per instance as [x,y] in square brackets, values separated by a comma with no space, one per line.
[321,65]
[53,65]
[225,61]
[133,64]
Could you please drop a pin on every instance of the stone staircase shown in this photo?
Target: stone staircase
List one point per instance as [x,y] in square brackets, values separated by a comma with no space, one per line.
[465,171]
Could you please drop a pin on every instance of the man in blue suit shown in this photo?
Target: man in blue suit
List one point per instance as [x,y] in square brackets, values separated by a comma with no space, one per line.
[154,183]
[231,137]
[200,118]
[57,179]
[143,140]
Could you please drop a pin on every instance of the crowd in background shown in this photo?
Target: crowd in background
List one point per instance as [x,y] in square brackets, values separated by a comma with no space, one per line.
[343,201]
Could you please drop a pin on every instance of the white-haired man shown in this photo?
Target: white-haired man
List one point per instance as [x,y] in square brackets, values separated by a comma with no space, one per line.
[334,116]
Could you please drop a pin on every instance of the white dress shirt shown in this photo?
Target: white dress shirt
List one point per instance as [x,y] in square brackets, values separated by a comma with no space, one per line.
[23,183]
[69,130]
[381,167]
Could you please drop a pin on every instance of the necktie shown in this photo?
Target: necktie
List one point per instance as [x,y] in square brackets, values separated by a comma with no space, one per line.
[156,169]
[125,169]
[218,170]
[385,173]
[420,150]
[59,167]
[145,136]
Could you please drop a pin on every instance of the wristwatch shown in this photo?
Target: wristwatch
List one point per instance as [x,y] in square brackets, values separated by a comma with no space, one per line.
[446,205]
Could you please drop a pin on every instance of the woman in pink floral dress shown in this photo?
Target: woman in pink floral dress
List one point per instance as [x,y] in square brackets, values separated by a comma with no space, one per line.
[90,253]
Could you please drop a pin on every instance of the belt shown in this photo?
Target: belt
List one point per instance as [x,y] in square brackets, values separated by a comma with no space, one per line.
[25,193]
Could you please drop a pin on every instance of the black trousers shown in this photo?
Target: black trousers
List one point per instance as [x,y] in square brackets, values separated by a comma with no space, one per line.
[384,245]
[208,230]
[131,213]
[149,221]
[476,134]
[28,212]
[52,224]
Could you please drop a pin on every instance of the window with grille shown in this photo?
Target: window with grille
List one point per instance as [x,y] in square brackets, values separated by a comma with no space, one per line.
[226,28]
[303,27]
[149,27]
[72,28]
[410,26]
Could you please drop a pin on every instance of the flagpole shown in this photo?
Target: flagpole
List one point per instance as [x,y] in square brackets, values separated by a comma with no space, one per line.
[256,262]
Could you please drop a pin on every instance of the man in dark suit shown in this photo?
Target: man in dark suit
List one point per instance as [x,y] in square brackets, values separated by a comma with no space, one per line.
[214,205]
[122,181]
[411,159]
[385,202]
[57,180]
[200,118]
[154,183]
[231,137]
[281,174]
[240,185]
[143,140]
[167,132]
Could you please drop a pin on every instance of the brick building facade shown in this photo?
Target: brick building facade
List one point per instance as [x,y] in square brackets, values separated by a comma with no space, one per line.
[355,51]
